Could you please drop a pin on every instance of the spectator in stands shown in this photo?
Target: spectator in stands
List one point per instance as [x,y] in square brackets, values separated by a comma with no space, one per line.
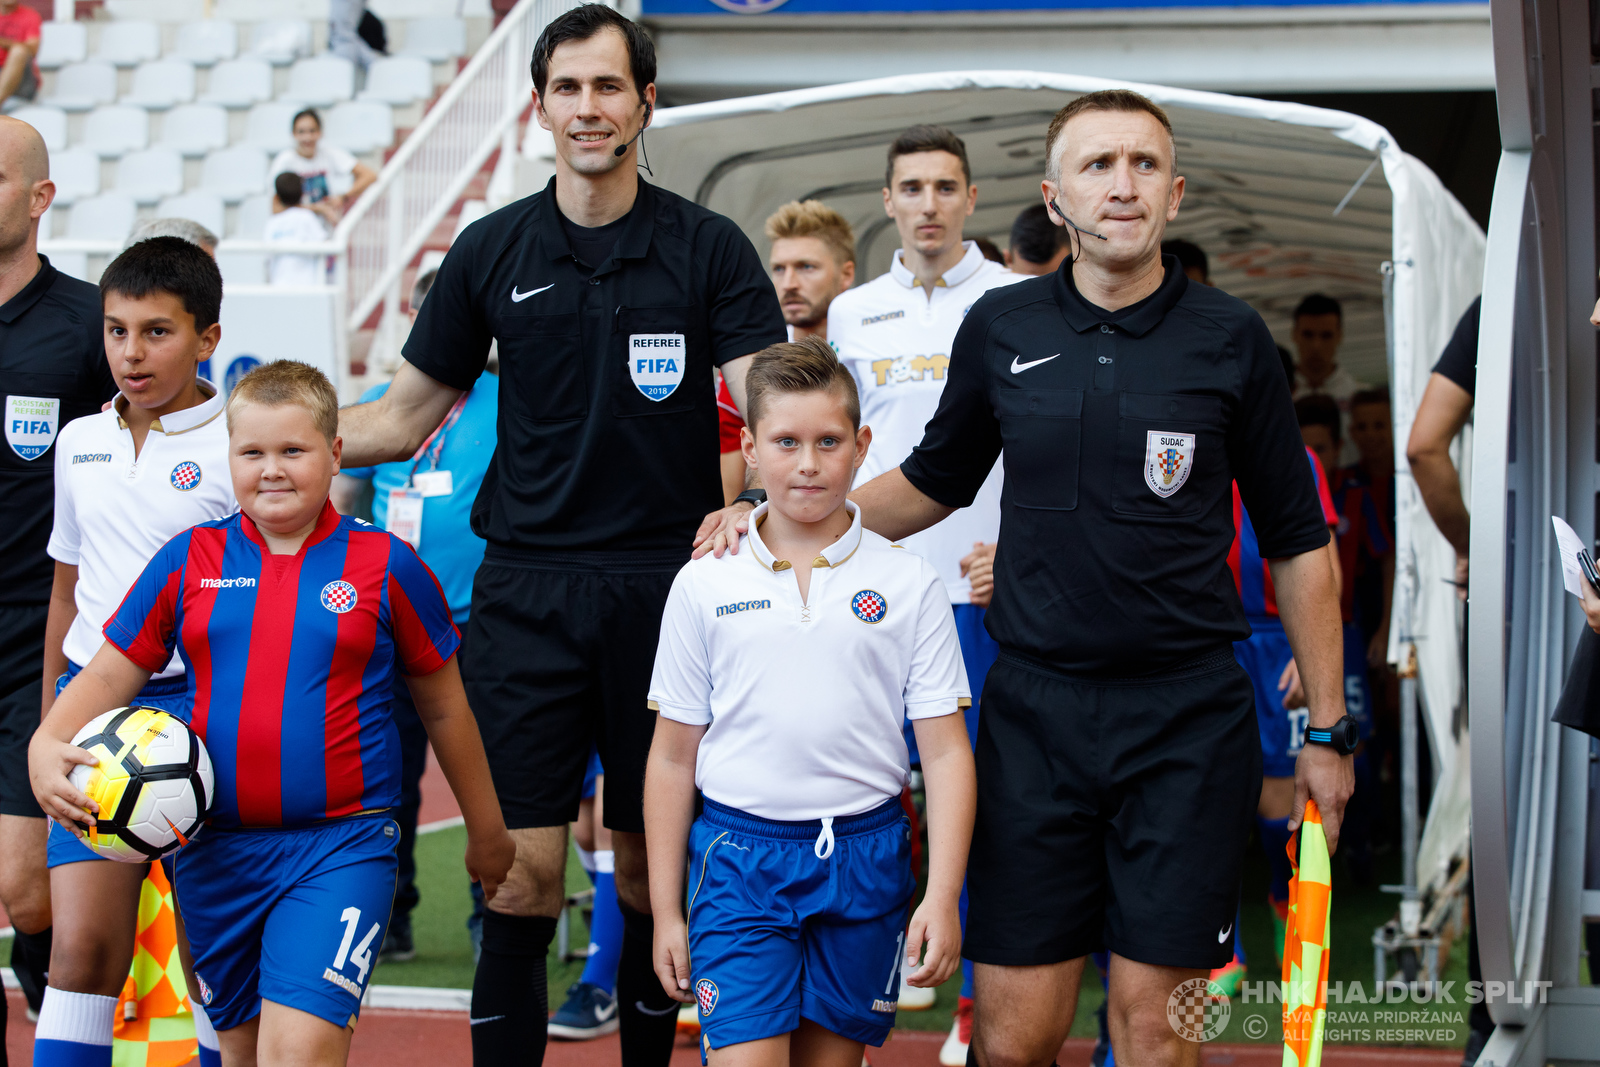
[427,501]
[330,177]
[186,229]
[1037,245]
[293,224]
[1192,258]
[19,39]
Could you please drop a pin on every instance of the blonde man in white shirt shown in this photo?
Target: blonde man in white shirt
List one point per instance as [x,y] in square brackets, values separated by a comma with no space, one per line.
[895,334]
[783,676]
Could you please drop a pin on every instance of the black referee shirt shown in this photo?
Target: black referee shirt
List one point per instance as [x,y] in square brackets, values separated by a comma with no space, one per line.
[1122,432]
[608,412]
[52,370]
[1459,360]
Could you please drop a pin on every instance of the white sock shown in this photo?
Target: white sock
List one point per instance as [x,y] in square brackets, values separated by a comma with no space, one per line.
[73,1028]
[585,858]
[202,1027]
[605,862]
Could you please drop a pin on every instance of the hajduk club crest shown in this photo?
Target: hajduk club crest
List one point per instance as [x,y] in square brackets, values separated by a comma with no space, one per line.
[1168,457]
[705,991]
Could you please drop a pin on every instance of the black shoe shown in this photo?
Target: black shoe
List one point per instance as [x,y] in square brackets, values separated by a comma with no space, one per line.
[589,1012]
[397,946]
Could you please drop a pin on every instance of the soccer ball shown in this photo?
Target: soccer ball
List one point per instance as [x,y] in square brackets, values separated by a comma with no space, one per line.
[153,783]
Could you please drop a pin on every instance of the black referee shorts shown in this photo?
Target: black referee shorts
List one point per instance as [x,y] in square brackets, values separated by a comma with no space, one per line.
[21,670]
[559,655]
[1112,814]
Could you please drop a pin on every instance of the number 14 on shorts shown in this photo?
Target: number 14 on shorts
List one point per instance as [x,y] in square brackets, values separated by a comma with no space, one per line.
[361,958]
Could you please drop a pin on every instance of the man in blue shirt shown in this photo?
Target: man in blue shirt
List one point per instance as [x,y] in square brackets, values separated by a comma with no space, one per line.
[427,501]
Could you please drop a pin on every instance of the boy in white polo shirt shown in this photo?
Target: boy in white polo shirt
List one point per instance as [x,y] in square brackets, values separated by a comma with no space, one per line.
[782,678]
[127,481]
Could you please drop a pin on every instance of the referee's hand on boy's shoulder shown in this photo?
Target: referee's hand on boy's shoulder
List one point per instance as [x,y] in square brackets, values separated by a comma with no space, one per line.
[720,531]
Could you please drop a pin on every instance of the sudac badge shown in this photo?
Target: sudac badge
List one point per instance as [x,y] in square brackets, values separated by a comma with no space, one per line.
[656,363]
[1167,459]
[31,424]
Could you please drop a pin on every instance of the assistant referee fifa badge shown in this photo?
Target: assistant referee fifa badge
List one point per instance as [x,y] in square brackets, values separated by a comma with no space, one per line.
[1168,456]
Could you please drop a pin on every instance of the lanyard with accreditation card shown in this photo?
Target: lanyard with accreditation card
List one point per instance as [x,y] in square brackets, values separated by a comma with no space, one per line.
[405,503]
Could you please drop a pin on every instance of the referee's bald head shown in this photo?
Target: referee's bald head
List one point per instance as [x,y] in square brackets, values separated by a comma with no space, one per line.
[23,149]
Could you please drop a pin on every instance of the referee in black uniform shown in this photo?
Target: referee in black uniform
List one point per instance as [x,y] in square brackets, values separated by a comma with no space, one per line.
[52,370]
[611,301]
[1118,757]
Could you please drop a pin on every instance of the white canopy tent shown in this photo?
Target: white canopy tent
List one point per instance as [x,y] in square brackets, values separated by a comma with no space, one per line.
[1286,199]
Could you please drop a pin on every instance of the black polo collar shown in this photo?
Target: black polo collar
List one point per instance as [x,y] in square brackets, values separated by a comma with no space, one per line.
[634,243]
[1083,316]
[19,305]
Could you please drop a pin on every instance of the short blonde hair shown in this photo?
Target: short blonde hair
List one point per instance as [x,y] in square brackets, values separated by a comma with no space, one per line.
[813,218]
[808,365]
[287,381]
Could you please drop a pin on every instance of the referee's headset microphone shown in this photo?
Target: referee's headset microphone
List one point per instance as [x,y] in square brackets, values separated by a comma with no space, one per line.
[1053,207]
[622,149]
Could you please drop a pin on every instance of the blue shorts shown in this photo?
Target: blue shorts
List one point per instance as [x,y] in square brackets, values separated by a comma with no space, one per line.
[294,916]
[777,934]
[170,695]
[590,773]
[1263,656]
[978,652]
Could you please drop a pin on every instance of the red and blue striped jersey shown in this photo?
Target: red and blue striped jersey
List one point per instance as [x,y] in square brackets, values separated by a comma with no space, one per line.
[1251,575]
[291,659]
[1364,537]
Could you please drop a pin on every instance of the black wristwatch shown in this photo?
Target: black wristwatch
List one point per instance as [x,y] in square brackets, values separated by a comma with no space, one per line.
[1342,736]
[754,496]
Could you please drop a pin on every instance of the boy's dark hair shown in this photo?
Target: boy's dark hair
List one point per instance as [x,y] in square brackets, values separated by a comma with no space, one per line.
[306,113]
[808,365]
[926,139]
[1370,396]
[168,265]
[289,188]
[1319,410]
[990,250]
[1319,304]
[582,23]
[1190,255]
[1034,237]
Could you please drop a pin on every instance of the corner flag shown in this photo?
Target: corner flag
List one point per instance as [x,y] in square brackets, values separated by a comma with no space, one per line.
[1306,944]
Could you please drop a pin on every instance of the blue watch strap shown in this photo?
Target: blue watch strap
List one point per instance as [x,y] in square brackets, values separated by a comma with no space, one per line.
[1321,737]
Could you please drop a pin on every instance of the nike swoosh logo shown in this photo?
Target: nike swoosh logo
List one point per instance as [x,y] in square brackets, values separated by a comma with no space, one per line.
[517,298]
[486,1019]
[638,1005]
[1017,366]
[1224,935]
[605,1013]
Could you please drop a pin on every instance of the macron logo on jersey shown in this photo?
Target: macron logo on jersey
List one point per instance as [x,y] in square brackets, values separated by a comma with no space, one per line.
[742,605]
[885,317]
[227,583]
[91,457]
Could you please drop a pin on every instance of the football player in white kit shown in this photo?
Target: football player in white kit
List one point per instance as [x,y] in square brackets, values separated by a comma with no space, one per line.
[894,333]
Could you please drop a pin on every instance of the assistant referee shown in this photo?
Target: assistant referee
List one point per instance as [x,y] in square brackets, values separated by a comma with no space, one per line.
[611,301]
[1118,758]
[53,369]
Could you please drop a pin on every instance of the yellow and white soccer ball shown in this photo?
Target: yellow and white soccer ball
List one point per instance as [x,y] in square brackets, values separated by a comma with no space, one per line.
[154,783]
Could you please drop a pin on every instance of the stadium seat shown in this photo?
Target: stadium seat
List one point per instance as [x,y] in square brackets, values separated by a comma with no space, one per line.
[254,211]
[194,129]
[81,86]
[360,127]
[268,127]
[76,173]
[51,122]
[242,268]
[321,82]
[162,84]
[438,39]
[61,43]
[204,208]
[128,42]
[399,80]
[239,83]
[206,42]
[235,173]
[150,175]
[107,217]
[280,41]
[115,129]
[72,264]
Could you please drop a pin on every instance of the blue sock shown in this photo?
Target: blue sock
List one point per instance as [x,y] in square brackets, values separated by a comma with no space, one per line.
[1275,839]
[605,933]
[966,964]
[1238,937]
[210,1053]
[74,1030]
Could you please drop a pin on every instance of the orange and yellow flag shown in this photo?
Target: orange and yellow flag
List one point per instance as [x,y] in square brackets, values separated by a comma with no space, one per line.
[1306,943]
[154,1027]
